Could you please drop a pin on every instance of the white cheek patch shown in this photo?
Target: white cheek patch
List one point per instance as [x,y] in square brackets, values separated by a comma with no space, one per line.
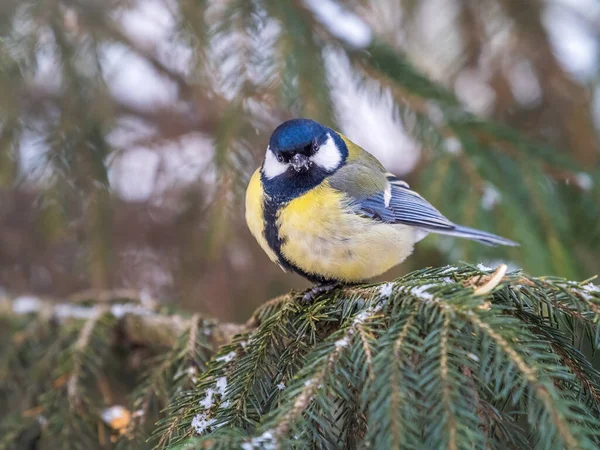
[328,156]
[271,167]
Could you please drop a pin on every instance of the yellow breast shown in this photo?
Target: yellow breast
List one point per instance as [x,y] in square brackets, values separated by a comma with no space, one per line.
[321,236]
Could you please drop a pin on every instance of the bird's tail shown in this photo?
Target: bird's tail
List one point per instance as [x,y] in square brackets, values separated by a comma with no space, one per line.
[477,235]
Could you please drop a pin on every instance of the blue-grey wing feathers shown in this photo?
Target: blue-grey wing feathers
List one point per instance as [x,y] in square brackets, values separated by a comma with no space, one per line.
[402,205]
[479,236]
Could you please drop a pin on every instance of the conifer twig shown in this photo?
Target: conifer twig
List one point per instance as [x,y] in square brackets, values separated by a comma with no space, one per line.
[532,377]
[419,362]
[83,341]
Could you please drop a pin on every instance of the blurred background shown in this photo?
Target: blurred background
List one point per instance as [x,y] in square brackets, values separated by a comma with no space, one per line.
[130,128]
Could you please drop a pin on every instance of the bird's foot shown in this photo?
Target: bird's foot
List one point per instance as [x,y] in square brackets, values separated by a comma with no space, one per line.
[311,295]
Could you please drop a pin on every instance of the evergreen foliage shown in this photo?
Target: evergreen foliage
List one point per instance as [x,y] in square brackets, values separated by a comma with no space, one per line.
[456,357]
[255,63]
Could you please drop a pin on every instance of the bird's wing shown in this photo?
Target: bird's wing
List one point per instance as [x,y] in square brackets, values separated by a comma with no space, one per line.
[382,197]
[392,202]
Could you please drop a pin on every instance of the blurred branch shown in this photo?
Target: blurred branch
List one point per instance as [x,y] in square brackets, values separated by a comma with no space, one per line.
[140,322]
[567,99]
[169,121]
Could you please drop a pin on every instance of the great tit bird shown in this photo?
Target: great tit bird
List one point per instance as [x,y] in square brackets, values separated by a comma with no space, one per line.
[326,209]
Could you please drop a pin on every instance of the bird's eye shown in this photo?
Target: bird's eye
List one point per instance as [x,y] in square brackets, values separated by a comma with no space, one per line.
[315,147]
[280,158]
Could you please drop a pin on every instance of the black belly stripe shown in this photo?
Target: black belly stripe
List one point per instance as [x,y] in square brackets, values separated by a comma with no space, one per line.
[275,241]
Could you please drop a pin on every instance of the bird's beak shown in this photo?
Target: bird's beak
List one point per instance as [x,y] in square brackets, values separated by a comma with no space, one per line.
[300,162]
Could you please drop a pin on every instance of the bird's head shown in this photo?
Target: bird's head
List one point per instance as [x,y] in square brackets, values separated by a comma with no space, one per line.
[303,148]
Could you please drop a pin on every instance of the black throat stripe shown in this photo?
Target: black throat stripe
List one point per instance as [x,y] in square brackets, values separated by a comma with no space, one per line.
[271,232]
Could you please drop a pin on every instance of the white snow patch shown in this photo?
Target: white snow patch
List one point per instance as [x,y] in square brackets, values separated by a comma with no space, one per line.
[588,289]
[265,441]
[26,304]
[421,291]
[30,304]
[362,316]
[386,289]
[448,269]
[201,423]
[226,358]
[222,385]
[484,268]
[341,343]
[207,402]
[281,386]
[120,310]
[68,311]
[220,388]
[473,356]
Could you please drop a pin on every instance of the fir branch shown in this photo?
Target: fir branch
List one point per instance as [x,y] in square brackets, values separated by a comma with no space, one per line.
[174,372]
[389,396]
[192,343]
[541,387]
[78,355]
[323,364]
[72,406]
[438,369]
[447,388]
[82,347]
[447,357]
[140,325]
[571,357]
